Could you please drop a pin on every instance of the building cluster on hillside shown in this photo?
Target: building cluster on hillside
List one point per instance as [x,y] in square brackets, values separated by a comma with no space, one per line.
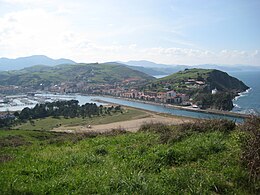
[170,97]
[128,88]
[120,90]
[12,89]
[193,83]
[89,86]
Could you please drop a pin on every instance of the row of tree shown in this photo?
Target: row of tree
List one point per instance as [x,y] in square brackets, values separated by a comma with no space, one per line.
[66,109]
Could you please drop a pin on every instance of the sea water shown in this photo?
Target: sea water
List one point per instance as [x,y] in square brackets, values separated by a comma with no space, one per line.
[248,102]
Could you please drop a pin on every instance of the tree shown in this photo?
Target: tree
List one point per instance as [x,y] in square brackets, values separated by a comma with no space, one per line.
[16,114]
[25,114]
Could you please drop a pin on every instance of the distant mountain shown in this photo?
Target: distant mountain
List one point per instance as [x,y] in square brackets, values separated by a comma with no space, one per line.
[154,69]
[106,73]
[144,63]
[149,71]
[23,62]
[228,68]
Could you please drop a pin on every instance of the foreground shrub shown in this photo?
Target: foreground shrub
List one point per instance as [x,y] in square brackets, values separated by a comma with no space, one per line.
[114,132]
[171,133]
[222,125]
[168,134]
[251,147]
[154,127]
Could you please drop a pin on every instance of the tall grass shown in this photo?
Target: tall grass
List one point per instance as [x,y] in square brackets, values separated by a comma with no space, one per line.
[159,159]
[251,147]
[173,133]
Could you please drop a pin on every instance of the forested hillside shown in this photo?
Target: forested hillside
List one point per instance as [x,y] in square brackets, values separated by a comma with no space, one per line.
[107,73]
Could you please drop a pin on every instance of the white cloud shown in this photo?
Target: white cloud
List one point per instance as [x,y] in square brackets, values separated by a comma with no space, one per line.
[29,2]
[48,31]
[102,53]
[197,56]
[32,31]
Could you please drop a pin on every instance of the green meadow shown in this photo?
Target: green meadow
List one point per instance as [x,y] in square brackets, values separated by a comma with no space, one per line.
[49,123]
[158,159]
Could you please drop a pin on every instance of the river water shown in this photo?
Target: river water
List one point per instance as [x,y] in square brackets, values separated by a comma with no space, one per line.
[88,99]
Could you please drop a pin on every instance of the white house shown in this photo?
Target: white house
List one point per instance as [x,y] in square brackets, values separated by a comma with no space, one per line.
[214,91]
[171,94]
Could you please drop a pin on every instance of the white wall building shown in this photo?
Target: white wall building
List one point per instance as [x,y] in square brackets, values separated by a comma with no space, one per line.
[214,91]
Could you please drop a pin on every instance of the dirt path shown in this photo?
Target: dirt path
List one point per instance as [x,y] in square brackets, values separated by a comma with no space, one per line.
[130,125]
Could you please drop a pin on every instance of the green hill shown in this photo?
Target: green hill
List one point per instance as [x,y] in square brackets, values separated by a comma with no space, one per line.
[108,73]
[198,84]
[212,78]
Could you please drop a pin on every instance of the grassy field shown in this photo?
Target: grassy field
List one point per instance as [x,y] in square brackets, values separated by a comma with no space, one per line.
[157,160]
[50,122]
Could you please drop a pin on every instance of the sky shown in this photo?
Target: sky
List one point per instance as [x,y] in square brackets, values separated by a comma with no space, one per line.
[164,31]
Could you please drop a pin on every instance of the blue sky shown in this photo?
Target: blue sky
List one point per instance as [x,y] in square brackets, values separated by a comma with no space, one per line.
[163,31]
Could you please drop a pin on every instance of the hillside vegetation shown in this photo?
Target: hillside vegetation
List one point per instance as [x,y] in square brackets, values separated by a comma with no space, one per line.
[198,84]
[107,73]
[211,157]
[213,78]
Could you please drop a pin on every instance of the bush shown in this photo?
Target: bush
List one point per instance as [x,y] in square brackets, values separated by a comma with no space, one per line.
[154,127]
[222,125]
[251,147]
[114,132]
[168,134]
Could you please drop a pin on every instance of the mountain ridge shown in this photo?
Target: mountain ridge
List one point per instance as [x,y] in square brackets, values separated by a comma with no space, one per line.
[144,66]
[24,62]
[104,73]
[148,66]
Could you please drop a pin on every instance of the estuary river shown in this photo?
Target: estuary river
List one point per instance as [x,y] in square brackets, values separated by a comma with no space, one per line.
[31,101]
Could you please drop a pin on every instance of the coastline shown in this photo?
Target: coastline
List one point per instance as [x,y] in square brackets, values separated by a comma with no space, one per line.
[241,94]
[208,111]
[237,108]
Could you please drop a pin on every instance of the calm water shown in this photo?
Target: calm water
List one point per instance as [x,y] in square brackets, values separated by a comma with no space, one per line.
[248,102]
[156,108]
[162,109]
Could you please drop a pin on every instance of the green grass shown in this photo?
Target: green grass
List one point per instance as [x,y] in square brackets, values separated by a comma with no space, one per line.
[132,163]
[50,122]
[185,75]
